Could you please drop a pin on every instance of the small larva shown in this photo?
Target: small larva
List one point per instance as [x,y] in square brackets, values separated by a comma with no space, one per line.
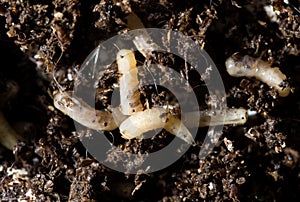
[151,119]
[84,114]
[176,127]
[145,44]
[129,94]
[142,40]
[8,136]
[219,117]
[254,67]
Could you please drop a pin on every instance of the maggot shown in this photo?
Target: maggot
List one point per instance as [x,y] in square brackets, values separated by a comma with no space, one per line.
[248,66]
[142,121]
[83,113]
[142,40]
[214,118]
[8,136]
[151,119]
[129,94]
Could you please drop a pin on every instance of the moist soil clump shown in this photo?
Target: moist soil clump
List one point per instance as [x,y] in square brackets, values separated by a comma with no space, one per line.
[44,43]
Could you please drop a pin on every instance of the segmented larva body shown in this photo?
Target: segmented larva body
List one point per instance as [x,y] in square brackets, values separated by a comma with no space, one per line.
[129,94]
[219,117]
[254,67]
[84,114]
[142,121]
[151,119]
[142,40]
[8,136]
[131,119]
[145,44]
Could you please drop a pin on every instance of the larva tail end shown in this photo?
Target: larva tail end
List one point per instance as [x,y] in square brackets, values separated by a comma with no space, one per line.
[231,67]
[186,136]
[177,128]
[284,92]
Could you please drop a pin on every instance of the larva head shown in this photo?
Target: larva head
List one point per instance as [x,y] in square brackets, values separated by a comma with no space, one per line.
[283,89]
[242,116]
[234,66]
[62,101]
[126,61]
[128,129]
[237,116]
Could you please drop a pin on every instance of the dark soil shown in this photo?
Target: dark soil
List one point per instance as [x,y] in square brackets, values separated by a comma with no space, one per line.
[43,40]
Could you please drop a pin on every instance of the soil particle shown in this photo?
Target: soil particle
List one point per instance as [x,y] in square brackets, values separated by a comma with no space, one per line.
[43,40]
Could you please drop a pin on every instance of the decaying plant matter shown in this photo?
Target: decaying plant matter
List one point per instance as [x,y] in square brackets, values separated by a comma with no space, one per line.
[257,160]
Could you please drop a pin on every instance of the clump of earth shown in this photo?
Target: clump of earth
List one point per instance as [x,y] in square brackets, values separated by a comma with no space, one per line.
[45,42]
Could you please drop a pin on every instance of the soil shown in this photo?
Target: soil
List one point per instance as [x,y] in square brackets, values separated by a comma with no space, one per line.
[44,41]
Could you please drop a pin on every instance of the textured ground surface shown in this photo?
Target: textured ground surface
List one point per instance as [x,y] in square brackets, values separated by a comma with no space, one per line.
[38,38]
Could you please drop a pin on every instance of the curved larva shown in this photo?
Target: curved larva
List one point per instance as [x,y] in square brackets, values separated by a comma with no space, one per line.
[151,119]
[143,121]
[84,114]
[129,94]
[254,67]
[145,44]
[219,117]
[8,136]
[177,128]
[142,40]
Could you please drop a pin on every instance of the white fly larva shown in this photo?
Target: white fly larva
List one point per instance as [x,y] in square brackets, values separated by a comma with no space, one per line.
[214,118]
[129,93]
[177,128]
[142,41]
[254,67]
[151,119]
[8,136]
[145,44]
[118,116]
[84,114]
[143,121]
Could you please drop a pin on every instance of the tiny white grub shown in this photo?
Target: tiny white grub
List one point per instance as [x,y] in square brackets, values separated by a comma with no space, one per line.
[151,119]
[214,118]
[142,41]
[84,114]
[129,93]
[254,67]
[8,136]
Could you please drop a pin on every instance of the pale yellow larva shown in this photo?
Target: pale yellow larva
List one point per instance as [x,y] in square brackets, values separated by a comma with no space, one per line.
[129,94]
[8,136]
[145,44]
[218,117]
[151,119]
[84,114]
[142,40]
[254,67]
[177,128]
